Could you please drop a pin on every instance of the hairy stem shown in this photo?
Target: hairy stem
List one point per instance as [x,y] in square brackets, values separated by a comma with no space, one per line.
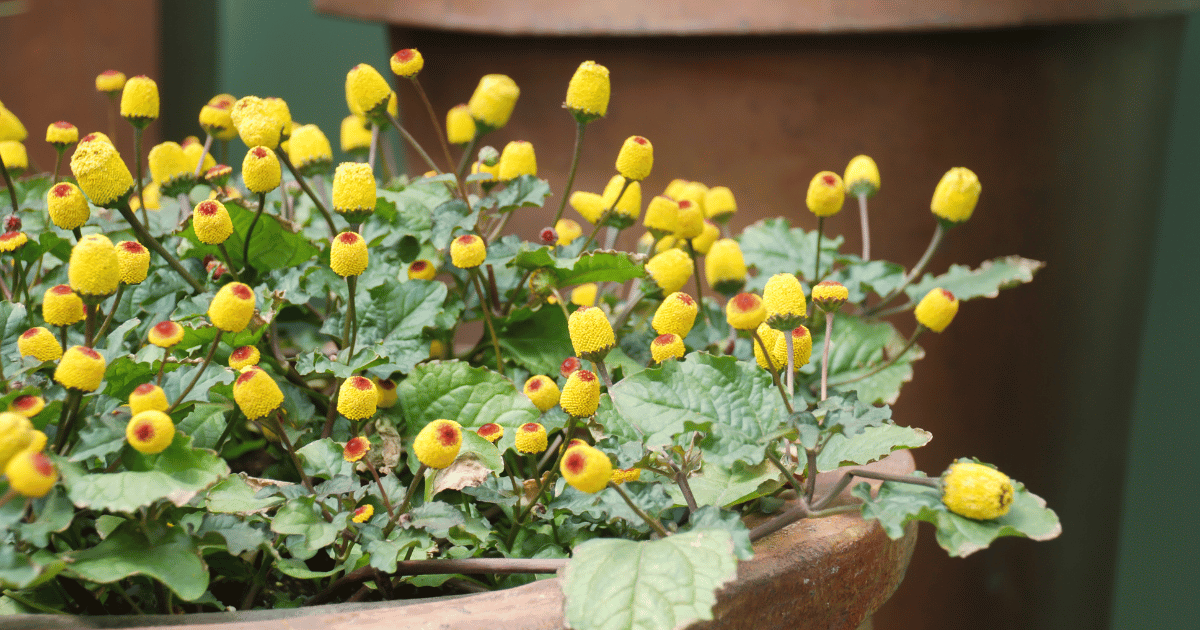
[650,520]
[262,205]
[487,318]
[149,241]
[283,157]
[825,355]
[866,226]
[203,365]
[562,203]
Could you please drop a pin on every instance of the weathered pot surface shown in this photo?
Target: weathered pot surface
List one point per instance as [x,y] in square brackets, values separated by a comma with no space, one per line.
[829,573]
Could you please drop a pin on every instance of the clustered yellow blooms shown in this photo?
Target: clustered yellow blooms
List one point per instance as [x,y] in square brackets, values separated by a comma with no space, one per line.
[147,397]
[662,215]
[936,310]
[745,311]
[636,158]
[80,368]
[256,393]
[531,438]
[626,206]
[862,176]
[261,122]
[244,357]
[216,117]
[309,150]
[211,222]
[192,149]
[584,294]
[438,443]
[30,473]
[150,431]
[580,394]
[133,259]
[826,194]
[110,81]
[775,350]
[589,205]
[976,491]
[139,101]
[542,392]
[356,448]
[621,475]
[67,207]
[355,134]
[829,295]
[40,344]
[232,307]
[348,254]
[367,92]
[62,134]
[363,513]
[357,398]
[14,156]
[719,204]
[12,241]
[591,333]
[170,167]
[568,231]
[586,468]
[421,270]
[689,221]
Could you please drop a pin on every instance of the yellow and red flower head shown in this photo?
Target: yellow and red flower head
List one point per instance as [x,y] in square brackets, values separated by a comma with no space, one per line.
[348,254]
[62,134]
[80,368]
[586,468]
[101,174]
[110,81]
[531,438]
[367,92]
[830,295]
[783,298]
[636,158]
[745,311]
[976,491]
[725,267]
[591,333]
[667,346]
[147,397]
[357,398]
[542,392]
[438,443]
[171,169]
[801,346]
[386,388]
[491,432]
[258,122]
[937,309]
[588,92]
[40,344]
[150,431]
[31,474]
[139,101]
[218,176]
[354,191]
[777,351]
[826,194]
[356,449]
[363,513]
[16,435]
[493,101]
[193,150]
[256,393]
[676,315]
[567,231]
[12,241]
[467,251]
[662,216]
[165,334]
[216,119]
[689,221]
[28,405]
[211,222]
[580,394]
[61,306]
[261,171]
[94,270]
[407,62]
[670,270]
[309,150]
[232,307]
[134,261]
[67,205]
[421,270]
[243,357]
[956,194]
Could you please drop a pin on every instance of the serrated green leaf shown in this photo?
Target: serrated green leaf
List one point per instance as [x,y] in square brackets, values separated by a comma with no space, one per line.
[863,278]
[385,553]
[713,517]
[272,246]
[393,318]
[302,517]
[898,503]
[168,554]
[607,505]
[18,570]
[454,390]
[324,458]
[539,342]
[872,444]
[102,435]
[849,416]
[205,424]
[524,191]
[858,348]
[985,281]
[727,487]
[650,585]
[598,266]
[733,401]
[773,246]
[450,219]
[238,535]
[233,495]
[54,514]
[437,518]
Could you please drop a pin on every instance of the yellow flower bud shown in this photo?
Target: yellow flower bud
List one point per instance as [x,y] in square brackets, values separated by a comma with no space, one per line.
[588,92]
[689,222]
[211,222]
[621,475]
[356,448]
[830,295]
[258,122]
[707,238]
[591,334]
[356,134]
[11,127]
[675,189]
[101,174]
[493,101]
[150,431]
[354,191]
[68,208]
[192,151]
[437,349]
[62,134]
[61,306]
[348,254]
[407,63]
[670,270]
[695,192]
[134,261]
[170,167]
[826,194]
[139,100]
[725,267]
[80,368]
[363,513]
[30,406]
[97,136]
[937,309]
[636,158]
[976,491]
[147,397]
[477,168]
[862,176]
[261,171]
[467,251]
[31,474]
[542,392]
[676,315]
[491,432]
[662,216]
[531,438]
[367,92]
[771,339]
[110,81]
[801,346]
[165,334]
[628,207]
[256,393]
[421,270]
[12,241]
[309,150]
[152,196]
[460,127]
[232,307]
[589,205]
[357,398]
[586,468]
[783,298]
[14,156]
[745,311]
[216,119]
[40,343]
[386,388]
[666,346]
[956,194]
[516,160]
[584,294]
[580,394]
[568,231]
[94,270]
[719,204]
[438,443]
[16,435]
[243,357]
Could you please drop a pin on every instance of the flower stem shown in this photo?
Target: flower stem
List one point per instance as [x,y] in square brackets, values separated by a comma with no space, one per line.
[207,146]
[820,234]
[604,216]
[351,315]
[387,504]
[408,497]
[886,364]
[437,125]
[466,157]
[810,474]
[546,480]
[89,325]
[16,278]
[600,367]
[696,274]
[65,418]
[112,311]
[12,190]
[374,146]
[772,369]
[650,520]
[487,317]
[791,364]
[228,430]
[228,262]
[869,474]
[58,163]
[283,157]
[797,512]
[137,160]
[262,205]
[287,443]
[866,226]
[149,241]
[161,364]
[562,203]
[825,355]
[413,142]
[939,234]
[62,335]
[203,365]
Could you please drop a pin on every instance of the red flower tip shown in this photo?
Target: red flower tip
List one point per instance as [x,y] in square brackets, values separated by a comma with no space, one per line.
[42,464]
[548,236]
[247,375]
[30,334]
[259,152]
[166,329]
[447,434]
[530,427]
[949,295]
[663,340]
[799,331]
[349,238]
[89,353]
[360,383]
[418,266]
[575,462]
[243,292]
[640,140]
[466,239]
[386,383]
[686,203]
[62,124]
[144,432]
[25,402]
[569,364]
[745,301]
[586,376]
[133,247]
[109,73]
[12,223]
[207,208]
[404,55]
[61,190]
[686,299]
[490,428]
[829,180]
[144,388]
[242,352]
[89,137]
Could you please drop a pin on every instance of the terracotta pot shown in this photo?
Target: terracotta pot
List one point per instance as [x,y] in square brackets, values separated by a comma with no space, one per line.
[829,574]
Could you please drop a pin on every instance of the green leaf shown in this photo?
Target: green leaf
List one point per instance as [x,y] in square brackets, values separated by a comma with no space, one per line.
[393,318]
[986,281]
[733,401]
[650,585]
[772,246]
[385,553]
[454,390]
[205,424]
[233,495]
[871,444]
[898,503]
[302,517]
[713,517]
[727,487]
[607,505]
[18,570]
[863,278]
[272,246]
[437,518]
[449,219]
[164,553]
[526,190]
[858,348]
[540,342]
[324,458]
[54,514]
[236,534]
[601,266]
[177,474]
[849,416]
[102,435]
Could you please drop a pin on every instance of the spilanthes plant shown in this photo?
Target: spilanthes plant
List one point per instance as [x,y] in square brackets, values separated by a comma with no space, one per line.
[296,386]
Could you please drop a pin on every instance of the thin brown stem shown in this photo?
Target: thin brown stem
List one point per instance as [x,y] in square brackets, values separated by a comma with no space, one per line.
[817,264]
[287,444]
[149,241]
[696,274]
[113,311]
[65,418]
[603,370]
[939,234]
[890,362]
[413,142]
[773,370]
[866,226]
[387,504]
[810,473]
[487,318]
[58,163]
[207,146]
[228,262]
[262,205]
[283,157]
[8,182]
[199,373]
[825,355]
[650,520]
[849,475]
[605,215]
[437,125]
[408,497]
[137,160]
[797,512]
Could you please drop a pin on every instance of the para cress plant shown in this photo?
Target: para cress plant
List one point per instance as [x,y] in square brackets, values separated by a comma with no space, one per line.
[260,395]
